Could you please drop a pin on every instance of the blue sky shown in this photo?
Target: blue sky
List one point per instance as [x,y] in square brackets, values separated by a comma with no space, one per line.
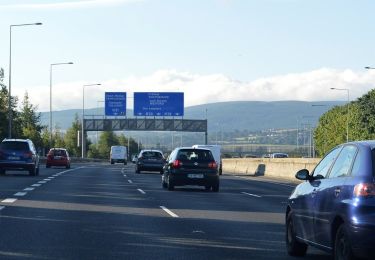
[213,50]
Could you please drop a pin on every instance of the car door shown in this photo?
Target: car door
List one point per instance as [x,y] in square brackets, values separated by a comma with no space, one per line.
[330,194]
[304,196]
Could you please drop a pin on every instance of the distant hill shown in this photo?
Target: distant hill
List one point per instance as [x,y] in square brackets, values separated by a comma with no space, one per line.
[229,116]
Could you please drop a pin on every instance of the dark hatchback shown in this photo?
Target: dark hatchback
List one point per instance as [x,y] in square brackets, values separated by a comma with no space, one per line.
[191,166]
[334,208]
[150,160]
[18,154]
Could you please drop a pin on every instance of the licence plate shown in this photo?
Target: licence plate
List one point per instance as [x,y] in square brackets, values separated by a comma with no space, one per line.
[57,157]
[195,176]
[13,158]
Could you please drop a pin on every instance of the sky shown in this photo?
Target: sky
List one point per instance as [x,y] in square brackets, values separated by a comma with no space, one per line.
[212,50]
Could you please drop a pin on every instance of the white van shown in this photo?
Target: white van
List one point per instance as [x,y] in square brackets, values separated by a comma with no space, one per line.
[216,152]
[118,154]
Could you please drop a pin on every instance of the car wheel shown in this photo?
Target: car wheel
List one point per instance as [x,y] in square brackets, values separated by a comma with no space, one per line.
[342,247]
[137,170]
[48,166]
[112,162]
[161,172]
[67,166]
[294,247]
[207,188]
[37,171]
[125,163]
[164,184]
[215,188]
[32,171]
[2,172]
[170,184]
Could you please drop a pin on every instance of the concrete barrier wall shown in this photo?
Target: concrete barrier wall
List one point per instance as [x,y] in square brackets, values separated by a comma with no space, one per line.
[285,168]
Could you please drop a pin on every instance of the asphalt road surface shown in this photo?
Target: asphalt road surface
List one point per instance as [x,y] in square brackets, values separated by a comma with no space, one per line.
[103,211]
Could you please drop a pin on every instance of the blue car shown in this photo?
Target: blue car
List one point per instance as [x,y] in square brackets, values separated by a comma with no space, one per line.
[334,208]
[18,154]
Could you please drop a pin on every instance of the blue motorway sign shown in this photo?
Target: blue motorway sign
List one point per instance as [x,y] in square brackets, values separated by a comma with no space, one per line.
[115,103]
[158,104]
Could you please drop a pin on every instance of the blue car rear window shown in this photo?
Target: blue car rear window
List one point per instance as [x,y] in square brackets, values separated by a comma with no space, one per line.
[14,146]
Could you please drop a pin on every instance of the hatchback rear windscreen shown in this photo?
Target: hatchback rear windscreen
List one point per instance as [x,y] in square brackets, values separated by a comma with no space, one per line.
[14,146]
[59,153]
[195,155]
[152,155]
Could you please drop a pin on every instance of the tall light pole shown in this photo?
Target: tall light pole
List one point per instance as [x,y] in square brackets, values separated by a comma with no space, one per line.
[50,96]
[83,142]
[10,75]
[347,120]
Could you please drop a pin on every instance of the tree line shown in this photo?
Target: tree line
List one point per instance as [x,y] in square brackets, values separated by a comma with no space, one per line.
[26,124]
[332,126]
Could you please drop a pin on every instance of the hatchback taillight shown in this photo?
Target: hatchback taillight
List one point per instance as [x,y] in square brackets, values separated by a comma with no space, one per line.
[212,165]
[364,190]
[28,155]
[176,164]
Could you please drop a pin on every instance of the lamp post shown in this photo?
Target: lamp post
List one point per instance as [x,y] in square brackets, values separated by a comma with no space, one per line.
[347,120]
[10,75]
[97,105]
[50,96]
[83,142]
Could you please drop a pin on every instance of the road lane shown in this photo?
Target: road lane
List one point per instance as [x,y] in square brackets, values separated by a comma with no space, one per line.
[96,213]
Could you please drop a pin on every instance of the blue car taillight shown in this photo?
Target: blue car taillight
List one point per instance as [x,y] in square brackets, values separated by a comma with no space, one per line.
[364,190]
[28,155]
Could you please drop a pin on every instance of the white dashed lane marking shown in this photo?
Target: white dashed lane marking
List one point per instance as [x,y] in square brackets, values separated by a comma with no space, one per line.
[42,182]
[253,195]
[20,194]
[141,191]
[28,189]
[130,181]
[2,207]
[169,212]
[10,200]
[36,185]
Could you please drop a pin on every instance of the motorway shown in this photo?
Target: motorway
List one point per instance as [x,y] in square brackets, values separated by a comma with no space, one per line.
[103,211]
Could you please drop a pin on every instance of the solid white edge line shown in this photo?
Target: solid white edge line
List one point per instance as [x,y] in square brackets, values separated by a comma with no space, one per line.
[169,212]
[130,181]
[268,181]
[9,200]
[125,175]
[141,191]
[253,195]
[2,207]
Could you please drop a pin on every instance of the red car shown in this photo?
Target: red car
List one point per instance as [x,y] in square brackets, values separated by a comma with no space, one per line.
[58,157]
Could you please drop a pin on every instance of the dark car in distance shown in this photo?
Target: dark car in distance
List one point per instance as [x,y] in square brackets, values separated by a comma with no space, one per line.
[58,157]
[334,208]
[191,166]
[150,160]
[18,154]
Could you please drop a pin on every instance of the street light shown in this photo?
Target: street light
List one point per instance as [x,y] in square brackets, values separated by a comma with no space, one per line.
[50,97]
[347,120]
[83,118]
[10,75]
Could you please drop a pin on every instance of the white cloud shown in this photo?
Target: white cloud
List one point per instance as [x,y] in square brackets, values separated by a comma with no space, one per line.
[200,89]
[65,4]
